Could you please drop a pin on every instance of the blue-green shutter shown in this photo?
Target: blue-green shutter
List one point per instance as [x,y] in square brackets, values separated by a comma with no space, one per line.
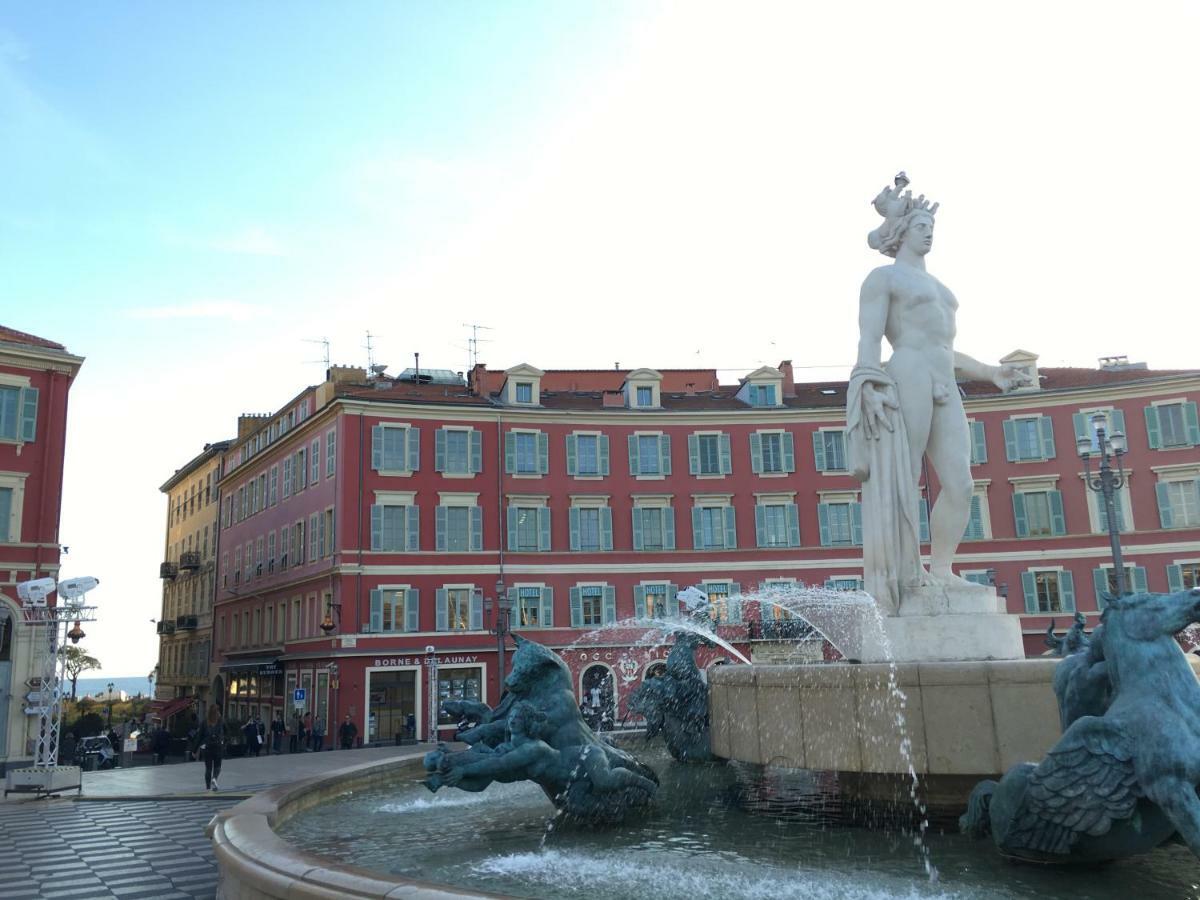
[546,620]
[1020,520]
[673,599]
[1083,426]
[697,530]
[818,440]
[6,501]
[789,452]
[510,452]
[1066,590]
[668,526]
[760,525]
[576,595]
[693,454]
[823,523]
[376,526]
[770,395]
[1029,586]
[412,542]
[756,453]
[856,524]
[376,611]
[442,622]
[412,610]
[633,455]
[923,519]
[412,442]
[1138,577]
[1174,578]
[735,602]
[1010,441]
[1191,421]
[639,601]
[573,522]
[606,535]
[1100,585]
[726,455]
[664,454]
[637,528]
[543,521]
[1153,432]
[793,517]
[376,459]
[1058,516]
[1046,426]
[439,450]
[974,530]
[29,411]
[610,605]
[1117,418]
[476,450]
[475,611]
[476,528]
[543,443]
[729,515]
[572,466]
[603,452]
[512,527]
[978,443]
[1166,516]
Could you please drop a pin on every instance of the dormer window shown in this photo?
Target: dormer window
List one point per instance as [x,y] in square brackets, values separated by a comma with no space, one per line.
[522,386]
[762,395]
[642,389]
[762,388]
[645,396]
[524,392]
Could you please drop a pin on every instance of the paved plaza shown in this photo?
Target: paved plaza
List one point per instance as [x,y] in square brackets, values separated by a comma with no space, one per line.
[139,833]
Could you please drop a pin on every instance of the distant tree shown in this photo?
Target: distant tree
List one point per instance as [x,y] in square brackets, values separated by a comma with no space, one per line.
[78,661]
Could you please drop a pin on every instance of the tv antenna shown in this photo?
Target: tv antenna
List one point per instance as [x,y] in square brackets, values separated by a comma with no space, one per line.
[370,348]
[474,341]
[324,342]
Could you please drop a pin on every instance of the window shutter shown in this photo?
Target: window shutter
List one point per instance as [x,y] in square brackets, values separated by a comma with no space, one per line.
[1190,419]
[440,528]
[793,517]
[735,602]
[1166,517]
[823,523]
[512,527]
[439,450]
[664,454]
[412,443]
[923,519]
[726,455]
[668,526]
[818,439]
[376,527]
[412,541]
[639,601]
[1139,580]
[1058,518]
[978,443]
[789,452]
[475,611]
[412,610]
[1117,418]
[1010,440]
[576,595]
[610,605]
[637,528]
[673,598]
[1174,578]
[546,620]
[1066,590]
[731,527]
[756,453]
[974,530]
[1019,518]
[602,445]
[543,442]
[376,611]
[1100,584]
[1029,587]
[770,395]
[856,524]
[633,455]
[572,467]
[573,522]
[29,410]
[1082,426]
[442,622]
[1046,424]
[476,446]
[760,525]
[543,522]
[376,458]
[313,538]
[606,537]
[476,528]
[510,452]
[693,454]
[697,530]
[1153,433]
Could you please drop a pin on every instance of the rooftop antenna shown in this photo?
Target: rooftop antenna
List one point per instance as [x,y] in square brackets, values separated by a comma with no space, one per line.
[370,352]
[324,342]
[474,341]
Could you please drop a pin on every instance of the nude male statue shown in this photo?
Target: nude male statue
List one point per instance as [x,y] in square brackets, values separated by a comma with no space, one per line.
[916,313]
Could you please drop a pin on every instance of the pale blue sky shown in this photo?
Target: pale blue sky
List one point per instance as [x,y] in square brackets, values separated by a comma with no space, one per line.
[193,190]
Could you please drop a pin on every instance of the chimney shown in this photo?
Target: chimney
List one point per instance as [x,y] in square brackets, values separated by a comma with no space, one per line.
[689,389]
[477,380]
[789,378]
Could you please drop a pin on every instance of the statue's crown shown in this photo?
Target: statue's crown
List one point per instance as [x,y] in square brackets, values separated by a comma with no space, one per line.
[894,204]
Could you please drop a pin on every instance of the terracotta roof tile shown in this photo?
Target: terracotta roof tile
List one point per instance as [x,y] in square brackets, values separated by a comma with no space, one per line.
[12,336]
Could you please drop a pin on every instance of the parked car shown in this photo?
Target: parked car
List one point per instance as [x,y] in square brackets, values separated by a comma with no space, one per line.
[95,753]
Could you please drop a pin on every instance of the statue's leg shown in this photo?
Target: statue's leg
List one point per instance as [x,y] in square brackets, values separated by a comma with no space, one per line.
[914,386]
[609,778]
[950,452]
[1178,799]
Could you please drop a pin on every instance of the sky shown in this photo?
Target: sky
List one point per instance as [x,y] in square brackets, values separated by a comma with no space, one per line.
[195,192]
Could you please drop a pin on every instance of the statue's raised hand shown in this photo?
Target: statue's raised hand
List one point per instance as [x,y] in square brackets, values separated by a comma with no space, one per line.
[1009,376]
[876,403]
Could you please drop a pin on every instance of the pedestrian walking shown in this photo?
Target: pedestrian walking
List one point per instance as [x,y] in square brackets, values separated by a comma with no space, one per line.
[210,746]
[160,743]
[347,732]
[277,731]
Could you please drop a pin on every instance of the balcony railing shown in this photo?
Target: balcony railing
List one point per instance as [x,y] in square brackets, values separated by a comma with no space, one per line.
[166,627]
[780,630]
[167,570]
[189,559]
[186,623]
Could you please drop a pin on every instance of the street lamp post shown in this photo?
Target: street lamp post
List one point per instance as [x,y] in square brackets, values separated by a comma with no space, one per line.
[110,690]
[500,628]
[1106,482]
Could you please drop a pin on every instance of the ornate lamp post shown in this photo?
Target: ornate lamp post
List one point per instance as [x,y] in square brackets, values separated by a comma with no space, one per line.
[500,628]
[110,701]
[1106,482]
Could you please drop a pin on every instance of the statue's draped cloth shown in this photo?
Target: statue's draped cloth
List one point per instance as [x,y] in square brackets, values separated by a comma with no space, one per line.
[890,523]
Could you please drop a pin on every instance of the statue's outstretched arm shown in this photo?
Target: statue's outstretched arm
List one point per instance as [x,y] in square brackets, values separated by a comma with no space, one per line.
[1005,377]
[495,765]
[490,733]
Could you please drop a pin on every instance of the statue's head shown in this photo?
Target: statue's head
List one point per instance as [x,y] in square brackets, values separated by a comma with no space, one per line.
[1148,617]
[535,666]
[526,720]
[906,222]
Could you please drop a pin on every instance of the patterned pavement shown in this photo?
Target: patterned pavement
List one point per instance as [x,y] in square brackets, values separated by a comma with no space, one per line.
[105,849]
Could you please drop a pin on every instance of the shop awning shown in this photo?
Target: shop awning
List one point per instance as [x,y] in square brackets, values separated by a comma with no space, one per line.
[172,707]
[259,665]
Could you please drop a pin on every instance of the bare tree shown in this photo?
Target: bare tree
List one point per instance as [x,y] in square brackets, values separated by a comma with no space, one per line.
[78,661]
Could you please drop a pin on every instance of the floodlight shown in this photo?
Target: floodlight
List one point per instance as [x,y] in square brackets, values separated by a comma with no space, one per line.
[74,588]
[34,593]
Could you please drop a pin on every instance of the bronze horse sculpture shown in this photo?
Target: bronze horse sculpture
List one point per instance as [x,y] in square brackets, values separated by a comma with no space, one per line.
[1123,778]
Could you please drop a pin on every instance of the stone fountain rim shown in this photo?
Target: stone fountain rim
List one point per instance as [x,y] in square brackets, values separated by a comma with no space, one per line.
[255,861]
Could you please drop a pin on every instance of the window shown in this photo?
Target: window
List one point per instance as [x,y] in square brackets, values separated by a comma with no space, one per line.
[287,477]
[653,528]
[300,473]
[1104,579]
[1178,503]
[709,454]
[654,601]
[1183,576]
[587,455]
[18,413]
[844,583]
[526,453]
[7,534]
[591,528]
[459,529]
[1029,438]
[327,543]
[593,604]
[395,528]
[1172,425]
[724,606]
[528,528]
[1039,513]
[330,459]
[314,460]
[524,392]
[273,486]
[534,607]
[298,543]
[829,450]
[645,396]
[777,524]
[978,443]
[458,451]
[459,609]
[1048,591]
[772,453]
[762,395]
[395,448]
[840,523]
[395,609]
[714,528]
[649,454]
[271,551]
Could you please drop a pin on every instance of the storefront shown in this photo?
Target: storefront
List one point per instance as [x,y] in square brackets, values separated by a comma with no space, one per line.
[253,687]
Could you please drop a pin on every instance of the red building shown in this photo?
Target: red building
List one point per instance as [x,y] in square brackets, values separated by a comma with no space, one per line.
[35,378]
[367,527]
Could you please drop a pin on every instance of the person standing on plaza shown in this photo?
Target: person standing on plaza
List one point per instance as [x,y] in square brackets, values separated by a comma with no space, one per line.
[294,734]
[210,746]
[277,732]
[306,732]
[160,743]
[250,734]
[318,734]
[347,731]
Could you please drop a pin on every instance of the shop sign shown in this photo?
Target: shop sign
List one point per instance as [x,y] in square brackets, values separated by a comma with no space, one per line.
[382,662]
[269,669]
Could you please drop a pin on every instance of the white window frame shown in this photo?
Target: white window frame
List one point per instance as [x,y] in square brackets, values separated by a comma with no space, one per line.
[468,430]
[652,476]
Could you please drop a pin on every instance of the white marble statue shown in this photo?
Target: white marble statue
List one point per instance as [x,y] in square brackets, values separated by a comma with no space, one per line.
[909,407]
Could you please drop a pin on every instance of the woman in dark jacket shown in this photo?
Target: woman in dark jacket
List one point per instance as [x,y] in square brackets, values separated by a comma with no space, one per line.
[210,745]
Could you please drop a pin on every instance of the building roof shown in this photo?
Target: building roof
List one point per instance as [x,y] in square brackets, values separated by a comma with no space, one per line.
[209,451]
[12,336]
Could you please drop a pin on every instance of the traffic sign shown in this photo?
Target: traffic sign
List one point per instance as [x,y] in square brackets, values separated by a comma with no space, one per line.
[298,697]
